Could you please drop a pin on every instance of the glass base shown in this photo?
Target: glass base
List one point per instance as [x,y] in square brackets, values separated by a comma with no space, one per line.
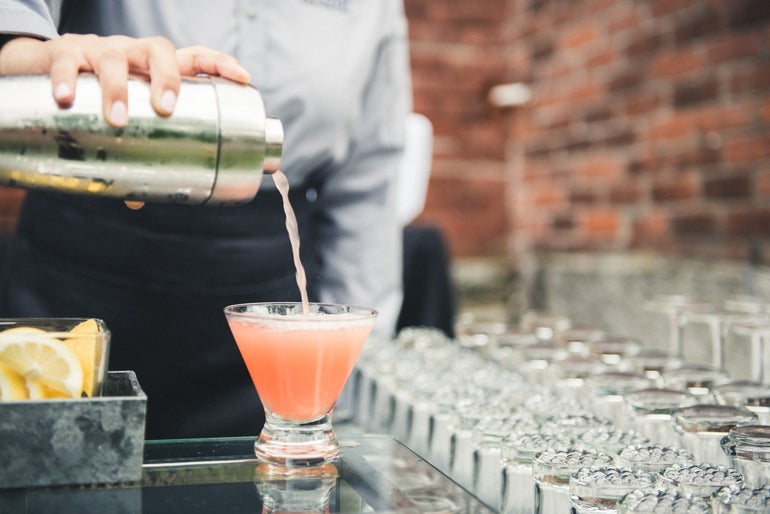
[297,445]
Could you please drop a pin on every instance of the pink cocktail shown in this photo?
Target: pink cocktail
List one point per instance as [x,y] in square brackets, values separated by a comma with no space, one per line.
[299,364]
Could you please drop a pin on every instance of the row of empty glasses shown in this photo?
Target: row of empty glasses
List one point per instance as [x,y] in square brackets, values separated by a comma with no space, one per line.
[742,315]
[551,417]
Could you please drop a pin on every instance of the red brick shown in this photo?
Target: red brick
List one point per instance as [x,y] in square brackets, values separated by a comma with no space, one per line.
[678,126]
[666,189]
[739,186]
[735,47]
[600,223]
[763,183]
[748,13]
[603,167]
[668,65]
[578,36]
[721,117]
[749,222]
[746,149]
[702,20]
[693,92]
[651,228]
[696,224]
[625,192]
[751,78]
[661,8]
[642,102]
[644,46]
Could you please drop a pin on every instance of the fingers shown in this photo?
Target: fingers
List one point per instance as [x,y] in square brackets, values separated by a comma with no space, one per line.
[112,59]
[199,59]
[157,58]
[112,69]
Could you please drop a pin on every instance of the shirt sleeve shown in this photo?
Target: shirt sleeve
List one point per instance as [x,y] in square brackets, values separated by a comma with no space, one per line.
[359,237]
[27,18]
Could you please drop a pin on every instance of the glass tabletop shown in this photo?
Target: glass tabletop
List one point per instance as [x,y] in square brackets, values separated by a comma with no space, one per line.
[374,473]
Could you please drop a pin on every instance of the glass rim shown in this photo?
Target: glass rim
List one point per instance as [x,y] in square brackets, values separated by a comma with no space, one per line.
[352,312]
[53,326]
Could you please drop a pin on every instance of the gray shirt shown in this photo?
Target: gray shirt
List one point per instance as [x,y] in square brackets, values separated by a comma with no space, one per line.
[335,72]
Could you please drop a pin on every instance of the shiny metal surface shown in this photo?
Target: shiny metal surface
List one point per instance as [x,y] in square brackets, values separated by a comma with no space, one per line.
[212,150]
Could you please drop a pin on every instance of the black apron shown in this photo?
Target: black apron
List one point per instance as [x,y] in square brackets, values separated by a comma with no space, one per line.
[160,277]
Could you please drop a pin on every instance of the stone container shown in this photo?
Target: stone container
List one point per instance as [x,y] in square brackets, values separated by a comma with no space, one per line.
[75,441]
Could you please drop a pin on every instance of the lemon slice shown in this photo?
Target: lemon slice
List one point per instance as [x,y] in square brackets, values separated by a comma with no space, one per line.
[12,385]
[38,391]
[33,330]
[42,358]
[88,350]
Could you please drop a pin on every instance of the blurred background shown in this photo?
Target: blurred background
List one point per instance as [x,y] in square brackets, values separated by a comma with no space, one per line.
[588,154]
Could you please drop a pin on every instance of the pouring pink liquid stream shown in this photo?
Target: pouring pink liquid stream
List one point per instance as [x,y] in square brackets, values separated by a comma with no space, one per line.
[282,184]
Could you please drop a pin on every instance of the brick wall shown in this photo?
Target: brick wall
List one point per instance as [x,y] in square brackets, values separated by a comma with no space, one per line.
[458,52]
[649,125]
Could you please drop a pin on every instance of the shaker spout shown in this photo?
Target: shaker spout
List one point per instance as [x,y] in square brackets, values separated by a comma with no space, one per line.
[273,144]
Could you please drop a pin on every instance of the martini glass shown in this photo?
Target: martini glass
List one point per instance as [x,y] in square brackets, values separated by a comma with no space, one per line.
[299,364]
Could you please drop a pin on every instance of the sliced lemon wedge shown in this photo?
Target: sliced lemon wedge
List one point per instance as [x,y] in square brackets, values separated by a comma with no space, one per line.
[12,385]
[88,350]
[39,391]
[44,359]
[15,330]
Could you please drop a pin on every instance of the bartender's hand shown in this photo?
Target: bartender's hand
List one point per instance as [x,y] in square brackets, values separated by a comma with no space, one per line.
[112,59]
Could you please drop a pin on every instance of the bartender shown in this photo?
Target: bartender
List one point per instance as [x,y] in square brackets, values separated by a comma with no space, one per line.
[335,72]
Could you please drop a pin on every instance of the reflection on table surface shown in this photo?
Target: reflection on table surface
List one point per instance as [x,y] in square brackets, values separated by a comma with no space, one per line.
[374,473]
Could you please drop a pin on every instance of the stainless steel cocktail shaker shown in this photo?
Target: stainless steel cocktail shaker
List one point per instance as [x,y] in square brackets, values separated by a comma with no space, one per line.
[213,150]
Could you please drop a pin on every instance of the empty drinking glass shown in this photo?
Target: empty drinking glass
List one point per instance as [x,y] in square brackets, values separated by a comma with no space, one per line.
[605,393]
[610,439]
[650,412]
[597,489]
[675,307]
[551,470]
[653,457]
[720,324]
[758,334]
[696,379]
[518,453]
[651,362]
[701,428]
[741,499]
[748,451]
[700,479]
[659,501]
[743,393]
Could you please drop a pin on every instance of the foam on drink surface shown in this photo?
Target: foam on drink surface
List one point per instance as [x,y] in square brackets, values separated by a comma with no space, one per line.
[310,321]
